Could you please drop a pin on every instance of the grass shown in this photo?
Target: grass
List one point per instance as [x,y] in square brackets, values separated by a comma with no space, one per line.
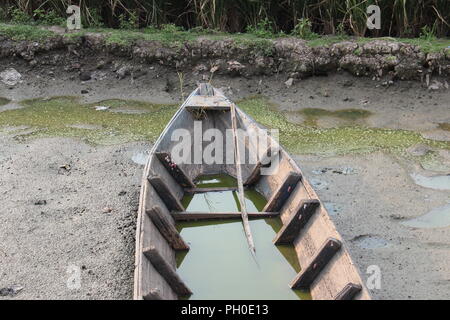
[178,36]
[170,35]
[25,32]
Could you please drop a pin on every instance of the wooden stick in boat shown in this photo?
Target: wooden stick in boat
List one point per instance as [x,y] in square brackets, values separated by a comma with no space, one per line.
[237,160]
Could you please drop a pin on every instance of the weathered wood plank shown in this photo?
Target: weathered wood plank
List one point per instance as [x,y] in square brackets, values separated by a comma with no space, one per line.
[166,195]
[349,292]
[205,89]
[153,294]
[207,107]
[307,276]
[255,174]
[167,229]
[166,271]
[213,189]
[175,170]
[240,183]
[187,216]
[283,192]
[290,230]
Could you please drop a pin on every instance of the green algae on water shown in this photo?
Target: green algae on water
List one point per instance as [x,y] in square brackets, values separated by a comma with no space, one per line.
[219,264]
[3,101]
[444,126]
[350,115]
[68,117]
[343,140]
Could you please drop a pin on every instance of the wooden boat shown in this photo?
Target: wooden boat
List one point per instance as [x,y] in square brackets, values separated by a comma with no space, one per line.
[327,268]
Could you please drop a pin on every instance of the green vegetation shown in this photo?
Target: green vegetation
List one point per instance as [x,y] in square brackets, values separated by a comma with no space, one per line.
[3,101]
[443,126]
[400,18]
[349,139]
[172,35]
[24,32]
[67,117]
[311,115]
[135,121]
[303,30]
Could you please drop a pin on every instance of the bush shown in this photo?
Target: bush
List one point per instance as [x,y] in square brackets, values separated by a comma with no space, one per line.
[263,29]
[19,17]
[50,18]
[428,33]
[303,30]
[128,22]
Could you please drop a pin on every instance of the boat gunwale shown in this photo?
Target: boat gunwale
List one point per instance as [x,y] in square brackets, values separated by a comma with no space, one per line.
[251,121]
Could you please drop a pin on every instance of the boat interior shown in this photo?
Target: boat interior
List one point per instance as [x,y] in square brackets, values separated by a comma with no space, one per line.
[327,269]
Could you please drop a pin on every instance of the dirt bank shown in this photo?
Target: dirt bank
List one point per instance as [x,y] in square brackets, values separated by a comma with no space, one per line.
[292,57]
[56,191]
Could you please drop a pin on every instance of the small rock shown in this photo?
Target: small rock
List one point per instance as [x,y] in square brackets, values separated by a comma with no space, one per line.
[122,193]
[123,72]
[65,167]
[84,91]
[139,73]
[437,85]
[348,83]
[11,291]
[396,216]
[10,77]
[101,108]
[107,210]
[289,82]
[85,76]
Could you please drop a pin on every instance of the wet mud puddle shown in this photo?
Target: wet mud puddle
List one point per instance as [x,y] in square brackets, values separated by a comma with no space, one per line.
[219,264]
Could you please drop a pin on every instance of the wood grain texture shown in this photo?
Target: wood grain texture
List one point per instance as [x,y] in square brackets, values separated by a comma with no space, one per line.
[307,276]
[170,200]
[349,292]
[175,170]
[166,227]
[166,271]
[296,222]
[283,192]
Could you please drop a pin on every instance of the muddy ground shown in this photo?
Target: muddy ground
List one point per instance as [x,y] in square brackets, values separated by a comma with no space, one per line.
[67,203]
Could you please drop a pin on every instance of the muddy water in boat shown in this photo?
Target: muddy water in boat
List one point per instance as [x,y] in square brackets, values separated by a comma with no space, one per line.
[219,264]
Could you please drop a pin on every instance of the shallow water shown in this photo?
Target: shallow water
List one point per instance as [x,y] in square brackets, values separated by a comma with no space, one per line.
[436,218]
[371,242]
[219,264]
[140,158]
[435,182]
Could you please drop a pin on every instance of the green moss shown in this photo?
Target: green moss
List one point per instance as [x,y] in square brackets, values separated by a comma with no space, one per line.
[25,32]
[3,101]
[311,115]
[444,126]
[66,116]
[351,139]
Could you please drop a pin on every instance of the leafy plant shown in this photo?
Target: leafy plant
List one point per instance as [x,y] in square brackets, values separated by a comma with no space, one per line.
[262,29]
[303,30]
[129,21]
[50,18]
[428,33]
[19,17]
